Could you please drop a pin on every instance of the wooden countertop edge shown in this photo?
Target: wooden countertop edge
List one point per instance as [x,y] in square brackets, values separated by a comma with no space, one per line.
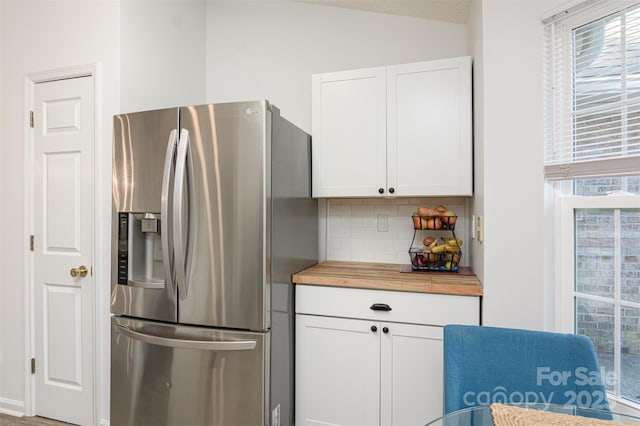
[452,289]
[358,275]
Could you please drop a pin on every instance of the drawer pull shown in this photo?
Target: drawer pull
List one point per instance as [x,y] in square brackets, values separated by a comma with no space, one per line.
[380,307]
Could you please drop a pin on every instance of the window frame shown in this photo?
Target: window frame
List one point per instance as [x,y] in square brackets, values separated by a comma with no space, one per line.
[558,76]
[560,201]
[566,294]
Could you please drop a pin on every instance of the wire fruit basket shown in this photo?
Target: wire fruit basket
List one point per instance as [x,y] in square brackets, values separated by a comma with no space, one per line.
[438,253]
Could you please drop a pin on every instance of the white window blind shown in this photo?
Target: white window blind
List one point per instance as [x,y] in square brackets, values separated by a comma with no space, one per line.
[592,100]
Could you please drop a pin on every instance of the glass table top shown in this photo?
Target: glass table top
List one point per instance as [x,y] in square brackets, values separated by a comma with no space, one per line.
[482,415]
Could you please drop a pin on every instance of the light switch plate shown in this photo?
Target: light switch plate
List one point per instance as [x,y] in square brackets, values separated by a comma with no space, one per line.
[383,223]
[473,227]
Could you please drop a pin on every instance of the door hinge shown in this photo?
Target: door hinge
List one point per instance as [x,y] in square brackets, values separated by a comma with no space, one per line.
[31,119]
[32,242]
[33,366]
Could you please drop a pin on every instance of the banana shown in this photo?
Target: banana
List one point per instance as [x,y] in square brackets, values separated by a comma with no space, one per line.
[439,249]
[453,241]
[451,249]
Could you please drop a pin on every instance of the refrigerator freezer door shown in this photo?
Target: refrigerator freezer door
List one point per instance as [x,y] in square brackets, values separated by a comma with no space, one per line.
[227,282]
[141,278]
[163,374]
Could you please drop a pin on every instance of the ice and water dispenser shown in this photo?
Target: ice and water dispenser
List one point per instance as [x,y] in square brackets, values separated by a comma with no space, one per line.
[140,250]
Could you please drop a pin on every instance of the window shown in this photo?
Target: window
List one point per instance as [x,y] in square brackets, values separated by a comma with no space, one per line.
[592,156]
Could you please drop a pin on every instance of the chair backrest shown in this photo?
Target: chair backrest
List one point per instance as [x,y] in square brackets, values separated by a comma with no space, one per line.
[483,365]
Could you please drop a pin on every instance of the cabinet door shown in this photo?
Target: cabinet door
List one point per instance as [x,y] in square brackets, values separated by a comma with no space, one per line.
[349,133]
[411,374]
[429,140]
[337,371]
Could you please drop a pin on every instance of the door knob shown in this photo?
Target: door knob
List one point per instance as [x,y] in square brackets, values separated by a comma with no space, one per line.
[81,271]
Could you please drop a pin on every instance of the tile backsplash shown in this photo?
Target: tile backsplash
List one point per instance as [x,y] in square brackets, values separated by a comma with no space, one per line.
[356,231]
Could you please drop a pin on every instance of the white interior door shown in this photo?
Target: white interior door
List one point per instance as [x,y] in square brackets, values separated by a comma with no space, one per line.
[62,215]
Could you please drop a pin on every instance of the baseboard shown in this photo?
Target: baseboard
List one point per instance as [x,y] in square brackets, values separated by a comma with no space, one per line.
[11,407]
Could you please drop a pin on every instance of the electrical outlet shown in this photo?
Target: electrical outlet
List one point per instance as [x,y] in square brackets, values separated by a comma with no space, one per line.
[383,223]
[479,229]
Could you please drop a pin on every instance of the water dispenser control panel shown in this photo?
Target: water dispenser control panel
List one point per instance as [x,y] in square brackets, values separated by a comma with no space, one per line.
[123,248]
[139,250]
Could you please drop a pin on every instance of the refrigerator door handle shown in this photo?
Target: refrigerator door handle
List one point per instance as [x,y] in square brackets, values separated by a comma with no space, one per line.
[207,345]
[167,246]
[182,157]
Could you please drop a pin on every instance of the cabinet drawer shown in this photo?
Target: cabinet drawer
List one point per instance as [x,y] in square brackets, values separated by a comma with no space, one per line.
[416,308]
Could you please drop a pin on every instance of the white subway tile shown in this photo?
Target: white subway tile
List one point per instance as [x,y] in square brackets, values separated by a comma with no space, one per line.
[353,244]
[406,234]
[401,222]
[341,202]
[390,210]
[370,221]
[400,245]
[352,227]
[334,243]
[362,210]
[339,232]
[339,210]
[403,257]
[362,233]
[402,201]
[362,256]
[406,211]
[377,201]
[334,221]
[339,254]
[352,221]
[389,235]
[384,256]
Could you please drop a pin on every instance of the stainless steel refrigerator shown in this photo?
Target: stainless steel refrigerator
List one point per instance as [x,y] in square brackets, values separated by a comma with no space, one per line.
[212,214]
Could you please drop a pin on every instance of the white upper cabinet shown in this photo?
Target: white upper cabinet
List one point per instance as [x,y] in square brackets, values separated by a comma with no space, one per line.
[349,129]
[402,130]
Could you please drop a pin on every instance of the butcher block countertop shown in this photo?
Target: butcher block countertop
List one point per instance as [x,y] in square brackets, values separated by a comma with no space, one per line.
[388,276]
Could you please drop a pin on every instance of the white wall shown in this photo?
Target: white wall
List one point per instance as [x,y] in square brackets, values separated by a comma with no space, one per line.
[163,54]
[510,139]
[474,40]
[269,49]
[38,36]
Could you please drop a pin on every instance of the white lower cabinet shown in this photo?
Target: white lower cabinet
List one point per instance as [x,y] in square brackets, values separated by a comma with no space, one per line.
[337,371]
[358,367]
[410,374]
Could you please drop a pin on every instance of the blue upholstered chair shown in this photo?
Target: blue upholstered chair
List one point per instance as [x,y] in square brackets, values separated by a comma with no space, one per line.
[483,365]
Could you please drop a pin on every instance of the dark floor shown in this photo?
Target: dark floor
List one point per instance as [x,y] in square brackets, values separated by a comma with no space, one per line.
[6,420]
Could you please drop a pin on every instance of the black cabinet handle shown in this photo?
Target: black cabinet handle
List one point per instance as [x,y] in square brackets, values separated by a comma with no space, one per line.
[380,307]
[381,190]
[391,190]
[374,328]
[385,329]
